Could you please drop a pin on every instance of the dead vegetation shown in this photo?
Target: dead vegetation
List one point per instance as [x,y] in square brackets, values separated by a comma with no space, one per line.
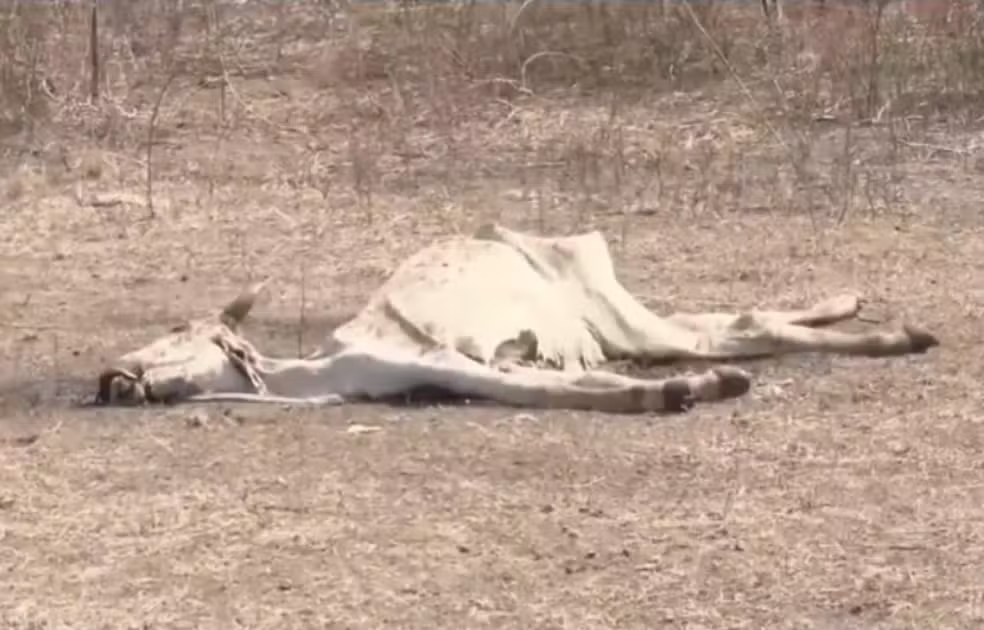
[731,160]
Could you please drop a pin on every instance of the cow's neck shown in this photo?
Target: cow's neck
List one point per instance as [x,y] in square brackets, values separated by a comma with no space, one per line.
[295,378]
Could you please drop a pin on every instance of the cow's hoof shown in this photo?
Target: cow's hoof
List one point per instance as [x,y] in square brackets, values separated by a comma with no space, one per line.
[678,396]
[920,340]
[732,381]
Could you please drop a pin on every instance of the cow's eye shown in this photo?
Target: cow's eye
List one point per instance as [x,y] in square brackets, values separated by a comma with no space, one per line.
[180,328]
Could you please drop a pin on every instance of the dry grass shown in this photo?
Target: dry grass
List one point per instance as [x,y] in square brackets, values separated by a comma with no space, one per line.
[731,164]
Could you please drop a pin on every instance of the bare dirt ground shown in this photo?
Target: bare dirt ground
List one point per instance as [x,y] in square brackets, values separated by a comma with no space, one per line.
[840,493]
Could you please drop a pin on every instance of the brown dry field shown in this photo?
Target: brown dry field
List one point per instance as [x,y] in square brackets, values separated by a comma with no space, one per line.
[840,493]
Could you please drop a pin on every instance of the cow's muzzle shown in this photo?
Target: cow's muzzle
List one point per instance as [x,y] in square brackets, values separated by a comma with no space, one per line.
[133,379]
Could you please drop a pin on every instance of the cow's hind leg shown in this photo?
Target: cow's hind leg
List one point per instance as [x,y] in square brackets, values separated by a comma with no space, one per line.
[829,311]
[754,336]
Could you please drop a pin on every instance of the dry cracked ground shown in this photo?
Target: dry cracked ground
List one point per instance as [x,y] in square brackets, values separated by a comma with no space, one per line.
[841,493]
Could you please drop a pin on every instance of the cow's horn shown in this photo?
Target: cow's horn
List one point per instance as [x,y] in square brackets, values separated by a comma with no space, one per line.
[235,312]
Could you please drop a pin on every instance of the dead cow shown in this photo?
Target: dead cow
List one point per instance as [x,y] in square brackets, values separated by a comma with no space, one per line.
[501,316]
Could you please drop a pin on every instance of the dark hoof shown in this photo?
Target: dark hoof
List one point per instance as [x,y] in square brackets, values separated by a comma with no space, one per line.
[920,340]
[734,382]
[678,396]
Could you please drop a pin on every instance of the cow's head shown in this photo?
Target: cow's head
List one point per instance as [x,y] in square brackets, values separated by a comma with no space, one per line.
[202,356]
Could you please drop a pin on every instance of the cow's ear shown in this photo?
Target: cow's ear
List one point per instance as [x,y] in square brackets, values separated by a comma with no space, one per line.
[236,311]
